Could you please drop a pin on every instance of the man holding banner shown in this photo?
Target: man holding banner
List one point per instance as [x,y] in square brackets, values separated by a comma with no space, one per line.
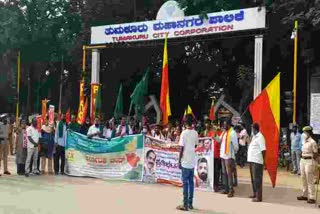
[187,160]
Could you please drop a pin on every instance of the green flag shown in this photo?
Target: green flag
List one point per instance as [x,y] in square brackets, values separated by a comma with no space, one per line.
[137,97]
[98,103]
[118,111]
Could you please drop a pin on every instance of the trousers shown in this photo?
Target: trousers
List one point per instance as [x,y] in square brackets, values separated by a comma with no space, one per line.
[296,156]
[32,154]
[188,186]
[60,154]
[307,174]
[227,174]
[12,143]
[256,172]
[4,151]
[217,172]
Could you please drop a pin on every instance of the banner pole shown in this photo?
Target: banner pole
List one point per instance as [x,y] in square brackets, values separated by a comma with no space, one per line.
[295,68]
[18,87]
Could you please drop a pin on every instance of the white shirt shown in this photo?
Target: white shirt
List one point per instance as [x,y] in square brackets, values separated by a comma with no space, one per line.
[107,133]
[255,149]
[93,130]
[243,134]
[34,134]
[189,139]
[159,137]
[123,130]
[234,147]
[61,141]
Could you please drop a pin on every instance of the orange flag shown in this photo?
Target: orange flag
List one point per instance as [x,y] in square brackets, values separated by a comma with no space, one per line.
[68,116]
[265,110]
[212,116]
[44,109]
[164,95]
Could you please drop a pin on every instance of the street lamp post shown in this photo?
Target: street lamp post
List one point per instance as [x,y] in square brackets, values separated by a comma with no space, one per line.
[63,75]
[294,36]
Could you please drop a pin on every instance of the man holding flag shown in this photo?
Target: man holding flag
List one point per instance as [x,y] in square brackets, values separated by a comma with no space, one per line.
[256,154]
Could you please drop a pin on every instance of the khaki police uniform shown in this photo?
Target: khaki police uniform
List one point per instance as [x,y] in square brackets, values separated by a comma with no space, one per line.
[4,146]
[307,167]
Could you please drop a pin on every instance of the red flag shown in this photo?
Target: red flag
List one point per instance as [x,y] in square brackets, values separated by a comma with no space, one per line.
[212,116]
[265,110]
[68,116]
[164,95]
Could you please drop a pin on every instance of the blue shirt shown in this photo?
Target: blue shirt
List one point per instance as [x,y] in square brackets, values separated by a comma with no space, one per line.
[296,144]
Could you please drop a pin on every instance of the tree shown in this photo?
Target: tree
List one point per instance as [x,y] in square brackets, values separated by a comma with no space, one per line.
[195,7]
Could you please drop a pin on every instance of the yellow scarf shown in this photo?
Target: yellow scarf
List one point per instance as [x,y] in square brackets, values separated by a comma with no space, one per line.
[228,142]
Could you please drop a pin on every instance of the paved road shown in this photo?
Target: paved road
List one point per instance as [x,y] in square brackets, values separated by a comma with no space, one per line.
[70,195]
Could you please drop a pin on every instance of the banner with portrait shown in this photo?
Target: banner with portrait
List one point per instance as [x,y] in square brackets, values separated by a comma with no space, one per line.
[203,172]
[161,163]
[118,158]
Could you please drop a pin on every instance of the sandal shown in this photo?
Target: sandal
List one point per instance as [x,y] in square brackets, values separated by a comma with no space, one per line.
[182,208]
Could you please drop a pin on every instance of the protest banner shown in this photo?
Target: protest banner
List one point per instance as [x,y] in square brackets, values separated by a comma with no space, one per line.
[118,158]
[203,171]
[161,163]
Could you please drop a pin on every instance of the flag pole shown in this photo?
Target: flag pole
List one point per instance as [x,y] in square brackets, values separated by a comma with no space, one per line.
[18,87]
[294,119]
[84,52]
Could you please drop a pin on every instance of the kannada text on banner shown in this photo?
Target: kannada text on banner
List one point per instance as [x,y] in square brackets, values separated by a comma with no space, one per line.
[119,158]
[161,160]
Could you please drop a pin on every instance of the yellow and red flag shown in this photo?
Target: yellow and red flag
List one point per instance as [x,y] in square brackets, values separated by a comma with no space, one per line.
[212,116]
[188,111]
[82,100]
[164,95]
[265,110]
[94,98]
[83,110]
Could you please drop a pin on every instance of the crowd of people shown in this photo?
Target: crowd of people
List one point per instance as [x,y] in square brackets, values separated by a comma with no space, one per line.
[43,151]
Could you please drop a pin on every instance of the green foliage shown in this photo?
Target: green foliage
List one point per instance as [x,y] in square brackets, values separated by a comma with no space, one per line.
[43,29]
[307,12]
[245,78]
[202,7]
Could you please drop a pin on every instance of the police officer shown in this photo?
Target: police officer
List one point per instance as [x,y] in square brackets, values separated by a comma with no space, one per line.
[307,166]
